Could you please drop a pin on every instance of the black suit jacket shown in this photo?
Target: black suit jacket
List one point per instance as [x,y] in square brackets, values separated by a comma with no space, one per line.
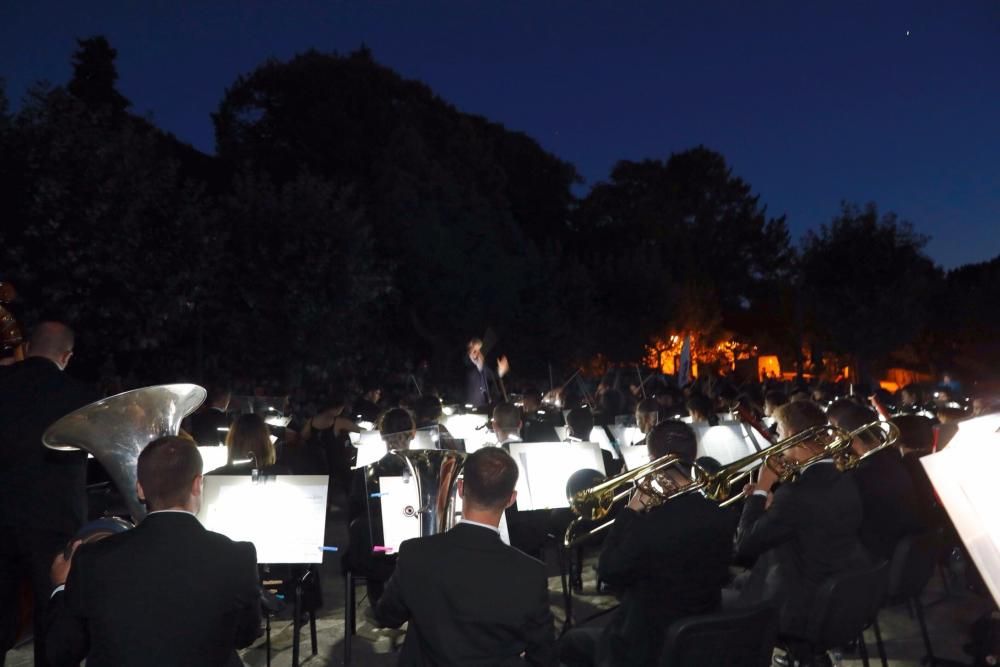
[40,489]
[205,424]
[889,500]
[487,606]
[668,563]
[166,593]
[809,533]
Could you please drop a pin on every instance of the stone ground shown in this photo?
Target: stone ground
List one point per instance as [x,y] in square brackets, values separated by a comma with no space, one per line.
[949,612]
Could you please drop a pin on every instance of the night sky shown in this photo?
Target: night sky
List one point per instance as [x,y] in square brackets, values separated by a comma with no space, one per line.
[894,102]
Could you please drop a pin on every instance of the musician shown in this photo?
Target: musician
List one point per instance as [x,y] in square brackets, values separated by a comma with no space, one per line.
[427,413]
[701,410]
[668,561]
[167,592]
[209,425]
[42,492]
[916,440]
[479,376]
[250,448]
[803,532]
[537,425]
[366,407]
[647,414]
[326,436]
[887,493]
[398,430]
[506,425]
[490,604]
[579,424]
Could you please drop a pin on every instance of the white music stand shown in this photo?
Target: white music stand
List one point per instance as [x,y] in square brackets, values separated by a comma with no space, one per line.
[545,467]
[725,443]
[213,457]
[470,427]
[284,515]
[963,475]
[371,447]
[635,456]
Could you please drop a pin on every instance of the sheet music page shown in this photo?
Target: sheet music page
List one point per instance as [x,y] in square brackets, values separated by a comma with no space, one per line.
[400,504]
[545,467]
[284,516]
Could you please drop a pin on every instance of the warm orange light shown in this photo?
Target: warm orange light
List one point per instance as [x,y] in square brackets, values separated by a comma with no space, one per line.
[889,386]
[665,352]
[768,366]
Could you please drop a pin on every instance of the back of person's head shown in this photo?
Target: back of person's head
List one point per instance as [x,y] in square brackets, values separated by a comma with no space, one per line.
[647,406]
[775,398]
[916,433]
[912,393]
[489,475]
[580,422]
[672,437]
[506,417]
[427,408]
[166,470]
[397,428]
[797,416]
[219,395]
[250,438]
[53,341]
[700,408]
[799,395]
[849,415]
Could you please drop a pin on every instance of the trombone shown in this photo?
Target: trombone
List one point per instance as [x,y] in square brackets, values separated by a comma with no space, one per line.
[722,486]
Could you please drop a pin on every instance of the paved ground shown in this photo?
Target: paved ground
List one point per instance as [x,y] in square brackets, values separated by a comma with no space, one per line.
[949,614]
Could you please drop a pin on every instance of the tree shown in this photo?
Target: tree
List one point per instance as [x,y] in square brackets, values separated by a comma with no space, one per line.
[95,76]
[866,282]
[700,248]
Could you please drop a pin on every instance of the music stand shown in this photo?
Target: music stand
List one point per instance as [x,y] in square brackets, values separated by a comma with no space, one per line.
[545,467]
[725,443]
[213,457]
[963,475]
[371,446]
[284,516]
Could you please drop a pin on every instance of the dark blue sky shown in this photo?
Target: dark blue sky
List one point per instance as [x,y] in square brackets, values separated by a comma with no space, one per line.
[811,103]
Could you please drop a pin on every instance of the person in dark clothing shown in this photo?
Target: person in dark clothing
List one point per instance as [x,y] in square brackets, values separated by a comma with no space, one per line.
[490,605]
[327,443]
[250,448]
[916,439]
[42,492]
[210,424]
[803,533]
[538,425]
[366,407]
[481,382]
[668,561]
[167,592]
[887,493]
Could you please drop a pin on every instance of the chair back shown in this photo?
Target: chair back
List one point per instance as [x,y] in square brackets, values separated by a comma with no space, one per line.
[845,605]
[742,637]
[912,565]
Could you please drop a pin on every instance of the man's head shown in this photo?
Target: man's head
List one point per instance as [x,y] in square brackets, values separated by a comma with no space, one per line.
[647,413]
[474,348]
[700,408]
[672,437]
[795,417]
[53,341]
[427,409]
[773,399]
[506,421]
[579,423]
[916,434]
[169,474]
[910,395]
[850,416]
[489,477]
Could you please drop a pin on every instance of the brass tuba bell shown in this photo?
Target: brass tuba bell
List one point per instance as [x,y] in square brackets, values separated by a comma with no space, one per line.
[117,428]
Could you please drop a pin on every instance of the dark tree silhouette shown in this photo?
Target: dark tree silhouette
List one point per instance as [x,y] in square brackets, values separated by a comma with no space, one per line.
[867,282]
[95,76]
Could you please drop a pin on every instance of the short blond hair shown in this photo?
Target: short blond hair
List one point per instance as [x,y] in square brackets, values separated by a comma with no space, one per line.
[797,416]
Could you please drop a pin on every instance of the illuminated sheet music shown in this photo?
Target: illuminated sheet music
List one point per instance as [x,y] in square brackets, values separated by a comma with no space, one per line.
[284,516]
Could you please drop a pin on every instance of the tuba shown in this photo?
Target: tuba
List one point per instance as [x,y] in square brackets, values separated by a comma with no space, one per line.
[117,428]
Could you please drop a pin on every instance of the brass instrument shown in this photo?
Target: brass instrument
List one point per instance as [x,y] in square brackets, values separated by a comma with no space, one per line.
[117,428]
[885,431]
[594,503]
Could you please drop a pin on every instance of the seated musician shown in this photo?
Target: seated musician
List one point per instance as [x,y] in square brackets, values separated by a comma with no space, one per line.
[506,424]
[916,440]
[668,561]
[398,430]
[887,492]
[209,425]
[427,413]
[579,424]
[701,410]
[250,448]
[469,598]
[537,424]
[803,532]
[647,414]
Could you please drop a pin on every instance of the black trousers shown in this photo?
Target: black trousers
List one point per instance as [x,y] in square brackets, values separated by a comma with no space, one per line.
[578,647]
[26,554]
